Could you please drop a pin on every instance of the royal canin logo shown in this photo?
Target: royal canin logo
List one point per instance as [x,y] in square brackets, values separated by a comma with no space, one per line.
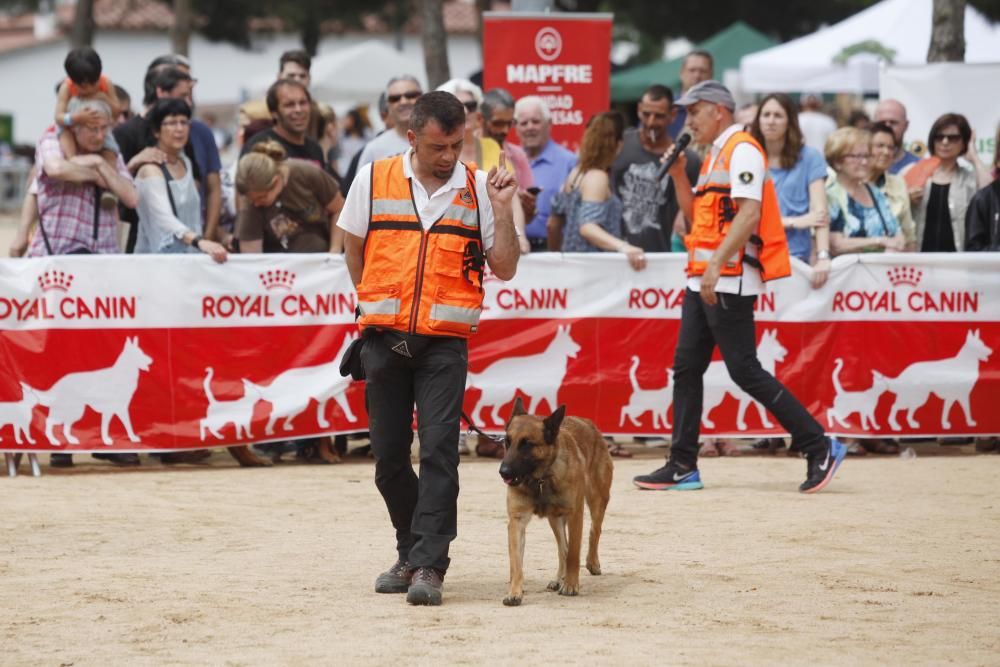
[55,280]
[280,279]
[55,303]
[904,275]
[269,305]
[904,295]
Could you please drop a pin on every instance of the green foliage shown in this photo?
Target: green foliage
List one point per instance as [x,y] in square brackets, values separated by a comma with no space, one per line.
[867,46]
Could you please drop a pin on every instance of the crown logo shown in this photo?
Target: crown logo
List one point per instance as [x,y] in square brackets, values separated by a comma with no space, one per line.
[55,281]
[904,275]
[279,279]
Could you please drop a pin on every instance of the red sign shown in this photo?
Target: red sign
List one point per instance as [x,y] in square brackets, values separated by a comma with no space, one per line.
[565,59]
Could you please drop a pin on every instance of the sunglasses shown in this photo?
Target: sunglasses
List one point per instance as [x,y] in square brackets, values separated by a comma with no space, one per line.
[954,138]
[411,95]
[471,106]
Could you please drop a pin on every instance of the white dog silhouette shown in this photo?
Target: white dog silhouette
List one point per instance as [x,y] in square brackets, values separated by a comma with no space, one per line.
[717,383]
[108,391]
[952,379]
[538,376]
[18,414]
[656,401]
[290,392]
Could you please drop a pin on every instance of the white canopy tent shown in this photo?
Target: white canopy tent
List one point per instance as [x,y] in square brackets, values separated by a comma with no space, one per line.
[904,26]
[356,74]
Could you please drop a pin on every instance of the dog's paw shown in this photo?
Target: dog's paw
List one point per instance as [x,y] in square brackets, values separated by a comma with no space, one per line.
[554,585]
[594,569]
[512,601]
[570,591]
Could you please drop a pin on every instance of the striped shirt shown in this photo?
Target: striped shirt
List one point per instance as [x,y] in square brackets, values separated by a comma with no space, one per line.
[66,210]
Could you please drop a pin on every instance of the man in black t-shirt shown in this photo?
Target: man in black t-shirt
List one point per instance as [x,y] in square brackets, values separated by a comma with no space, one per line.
[290,106]
[650,211]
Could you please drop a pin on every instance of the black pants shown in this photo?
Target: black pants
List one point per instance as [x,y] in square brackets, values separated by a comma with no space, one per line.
[730,325]
[423,510]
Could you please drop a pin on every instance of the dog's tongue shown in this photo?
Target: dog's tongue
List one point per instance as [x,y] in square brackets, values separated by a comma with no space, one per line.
[508,482]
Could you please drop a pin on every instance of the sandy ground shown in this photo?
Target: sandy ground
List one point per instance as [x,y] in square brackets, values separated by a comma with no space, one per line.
[897,563]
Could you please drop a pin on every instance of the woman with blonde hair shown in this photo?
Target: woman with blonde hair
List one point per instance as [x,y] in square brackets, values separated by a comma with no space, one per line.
[585,205]
[860,217]
[286,205]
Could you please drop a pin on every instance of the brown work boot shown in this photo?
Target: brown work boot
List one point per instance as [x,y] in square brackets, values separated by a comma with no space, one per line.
[394,580]
[426,587]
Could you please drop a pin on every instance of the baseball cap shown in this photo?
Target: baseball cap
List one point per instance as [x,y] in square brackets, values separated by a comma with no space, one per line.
[708,91]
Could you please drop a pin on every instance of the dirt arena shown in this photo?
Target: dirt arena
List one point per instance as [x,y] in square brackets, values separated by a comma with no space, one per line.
[897,563]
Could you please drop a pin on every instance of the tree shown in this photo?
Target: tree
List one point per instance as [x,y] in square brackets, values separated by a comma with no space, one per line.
[180,31]
[947,32]
[435,42]
[83,24]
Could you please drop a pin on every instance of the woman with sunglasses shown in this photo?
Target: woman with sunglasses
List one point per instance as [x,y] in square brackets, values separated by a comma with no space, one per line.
[940,212]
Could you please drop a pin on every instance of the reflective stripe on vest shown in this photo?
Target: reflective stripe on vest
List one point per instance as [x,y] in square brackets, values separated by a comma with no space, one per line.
[383,307]
[425,282]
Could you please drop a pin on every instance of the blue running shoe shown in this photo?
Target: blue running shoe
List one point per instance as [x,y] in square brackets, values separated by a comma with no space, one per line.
[820,468]
[670,477]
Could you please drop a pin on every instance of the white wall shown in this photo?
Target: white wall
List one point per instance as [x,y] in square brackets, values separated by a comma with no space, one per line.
[28,76]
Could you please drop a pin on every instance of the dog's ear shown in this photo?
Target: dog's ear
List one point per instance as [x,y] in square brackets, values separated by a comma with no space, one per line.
[518,408]
[552,424]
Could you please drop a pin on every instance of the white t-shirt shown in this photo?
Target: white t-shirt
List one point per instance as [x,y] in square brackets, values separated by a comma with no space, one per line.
[816,127]
[357,207]
[747,171]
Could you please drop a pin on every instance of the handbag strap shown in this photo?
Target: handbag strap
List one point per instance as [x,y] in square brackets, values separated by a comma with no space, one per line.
[878,209]
[170,194]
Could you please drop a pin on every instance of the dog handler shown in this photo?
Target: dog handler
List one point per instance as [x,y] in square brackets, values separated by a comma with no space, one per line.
[736,243]
[419,226]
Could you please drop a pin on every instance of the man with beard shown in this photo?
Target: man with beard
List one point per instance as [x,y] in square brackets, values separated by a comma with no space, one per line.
[650,211]
[290,106]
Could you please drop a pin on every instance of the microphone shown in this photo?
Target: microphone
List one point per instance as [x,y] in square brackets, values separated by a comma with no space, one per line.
[682,143]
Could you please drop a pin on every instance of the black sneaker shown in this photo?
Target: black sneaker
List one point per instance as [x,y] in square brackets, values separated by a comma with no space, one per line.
[670,477]
[426,587]
[394,580]
[820,468]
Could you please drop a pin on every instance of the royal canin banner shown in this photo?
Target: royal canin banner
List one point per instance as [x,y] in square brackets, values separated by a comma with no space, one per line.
[563,58]
[141,353]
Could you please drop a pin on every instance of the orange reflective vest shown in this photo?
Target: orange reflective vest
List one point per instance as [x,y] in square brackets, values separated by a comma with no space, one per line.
[714,210]
[427,282]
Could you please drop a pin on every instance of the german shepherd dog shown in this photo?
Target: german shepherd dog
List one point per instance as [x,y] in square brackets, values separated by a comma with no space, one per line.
[551,467]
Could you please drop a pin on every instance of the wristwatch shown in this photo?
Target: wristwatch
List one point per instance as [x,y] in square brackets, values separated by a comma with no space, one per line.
[68,119]
[196,240]
[823,254]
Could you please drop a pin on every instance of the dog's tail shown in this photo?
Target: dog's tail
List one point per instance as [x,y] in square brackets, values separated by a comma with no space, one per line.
[632,377]
[208,386]
[837,365]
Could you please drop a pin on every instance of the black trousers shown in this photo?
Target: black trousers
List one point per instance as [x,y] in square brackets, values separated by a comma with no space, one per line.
[424,509]
[730,325]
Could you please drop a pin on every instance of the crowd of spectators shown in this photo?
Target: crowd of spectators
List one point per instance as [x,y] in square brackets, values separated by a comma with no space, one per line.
[841,190]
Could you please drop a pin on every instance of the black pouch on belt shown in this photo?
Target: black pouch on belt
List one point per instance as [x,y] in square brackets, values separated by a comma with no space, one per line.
[350,363]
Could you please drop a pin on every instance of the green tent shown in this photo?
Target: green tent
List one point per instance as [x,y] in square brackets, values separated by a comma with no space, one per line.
[726,47]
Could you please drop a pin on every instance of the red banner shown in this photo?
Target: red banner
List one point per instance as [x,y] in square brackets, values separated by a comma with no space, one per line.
[118,354]
[563,58]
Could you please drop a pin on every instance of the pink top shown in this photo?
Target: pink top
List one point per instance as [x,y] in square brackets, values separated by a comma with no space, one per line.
[522,167]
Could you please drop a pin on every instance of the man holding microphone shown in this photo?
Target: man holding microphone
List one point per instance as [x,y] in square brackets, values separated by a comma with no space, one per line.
[736,244]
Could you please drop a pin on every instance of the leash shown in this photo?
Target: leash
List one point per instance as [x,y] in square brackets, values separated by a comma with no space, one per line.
[478,431]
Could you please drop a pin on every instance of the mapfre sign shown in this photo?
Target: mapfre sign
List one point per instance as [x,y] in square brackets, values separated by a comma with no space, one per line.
[562,58]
